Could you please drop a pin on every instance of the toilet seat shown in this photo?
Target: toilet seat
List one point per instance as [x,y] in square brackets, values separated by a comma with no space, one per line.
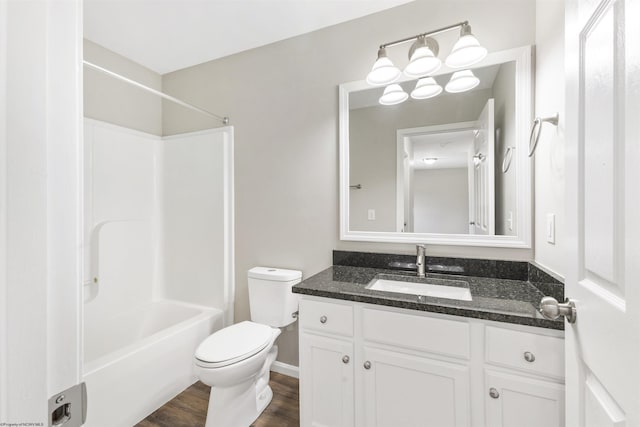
[233,344]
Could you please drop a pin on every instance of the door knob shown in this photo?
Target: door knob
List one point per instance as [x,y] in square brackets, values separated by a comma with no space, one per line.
[552,309]
[323,319]
[345,359]
[367,365]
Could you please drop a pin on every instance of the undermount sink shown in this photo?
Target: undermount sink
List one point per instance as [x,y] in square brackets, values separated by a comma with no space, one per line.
[438,288]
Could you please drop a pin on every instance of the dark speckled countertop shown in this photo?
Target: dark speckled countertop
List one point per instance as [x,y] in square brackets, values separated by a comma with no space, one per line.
[497,299]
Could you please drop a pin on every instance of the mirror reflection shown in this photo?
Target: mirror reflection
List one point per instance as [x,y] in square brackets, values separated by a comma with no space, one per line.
[438,165]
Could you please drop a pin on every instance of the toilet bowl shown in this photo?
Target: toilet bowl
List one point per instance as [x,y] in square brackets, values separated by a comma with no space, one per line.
[235,361]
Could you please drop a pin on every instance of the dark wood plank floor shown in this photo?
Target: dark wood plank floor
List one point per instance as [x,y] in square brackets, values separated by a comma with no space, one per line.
[189,408]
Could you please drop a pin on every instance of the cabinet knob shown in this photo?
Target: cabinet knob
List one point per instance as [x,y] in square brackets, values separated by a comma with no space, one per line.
[367,365]
[494,393]
[323,319]
[529,357]
[345,359]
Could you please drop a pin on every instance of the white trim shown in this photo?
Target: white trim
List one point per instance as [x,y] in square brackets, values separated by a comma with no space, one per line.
[523,57]
[285,369]
[3,204]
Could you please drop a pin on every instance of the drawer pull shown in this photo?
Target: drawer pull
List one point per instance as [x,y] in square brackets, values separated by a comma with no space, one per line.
[345,359]
[494,393]
[367,365]
[529,357]
[323,319]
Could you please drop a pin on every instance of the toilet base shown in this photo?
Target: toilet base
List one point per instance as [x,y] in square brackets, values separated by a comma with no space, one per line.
[241,404]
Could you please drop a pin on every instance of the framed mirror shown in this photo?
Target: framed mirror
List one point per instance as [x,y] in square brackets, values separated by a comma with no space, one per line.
[451,170]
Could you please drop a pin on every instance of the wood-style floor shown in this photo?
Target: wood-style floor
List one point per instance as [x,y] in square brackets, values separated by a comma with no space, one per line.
[189,408]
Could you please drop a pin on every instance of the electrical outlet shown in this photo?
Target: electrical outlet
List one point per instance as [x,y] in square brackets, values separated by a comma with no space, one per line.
[510,221]
[551,228]
[371,214]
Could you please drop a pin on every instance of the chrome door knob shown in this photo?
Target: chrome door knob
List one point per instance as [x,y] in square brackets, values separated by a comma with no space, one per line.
[345,359]
[529,357]
[367,365]
[494,393]
[551,309]
[323,319]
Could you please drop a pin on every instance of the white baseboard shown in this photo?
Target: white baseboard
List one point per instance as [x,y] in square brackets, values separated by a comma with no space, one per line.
[286,369]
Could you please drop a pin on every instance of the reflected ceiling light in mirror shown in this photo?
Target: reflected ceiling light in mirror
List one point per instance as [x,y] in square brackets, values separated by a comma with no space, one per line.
[430,160]
[462,81]
[383,71]
[466,51]
[393,94]
[423,58]
[426,88]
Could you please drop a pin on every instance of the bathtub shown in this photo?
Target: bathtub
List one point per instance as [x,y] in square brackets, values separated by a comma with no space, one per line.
[137,361]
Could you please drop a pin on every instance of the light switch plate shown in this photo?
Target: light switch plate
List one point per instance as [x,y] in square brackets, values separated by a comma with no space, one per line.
[551,228]
[371,214]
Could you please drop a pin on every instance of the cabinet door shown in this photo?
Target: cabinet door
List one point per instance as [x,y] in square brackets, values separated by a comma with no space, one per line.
[405,390]
[518,401]
[326,381]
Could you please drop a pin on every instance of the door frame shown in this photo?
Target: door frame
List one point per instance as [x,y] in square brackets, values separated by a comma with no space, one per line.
[41,205]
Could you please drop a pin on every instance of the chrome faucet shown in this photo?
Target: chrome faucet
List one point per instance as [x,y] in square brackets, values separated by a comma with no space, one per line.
[420,260]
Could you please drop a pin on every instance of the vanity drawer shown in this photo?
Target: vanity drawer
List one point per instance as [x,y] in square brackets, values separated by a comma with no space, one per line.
[326,317]
[434,335]
[535,353]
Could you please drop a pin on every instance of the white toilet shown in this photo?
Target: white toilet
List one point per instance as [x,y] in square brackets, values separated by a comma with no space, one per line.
[235,361]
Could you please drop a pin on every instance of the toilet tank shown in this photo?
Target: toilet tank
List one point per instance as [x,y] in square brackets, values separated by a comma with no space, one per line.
[270,298]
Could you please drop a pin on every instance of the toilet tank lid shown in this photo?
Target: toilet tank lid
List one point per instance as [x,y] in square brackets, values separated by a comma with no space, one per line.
[275,274]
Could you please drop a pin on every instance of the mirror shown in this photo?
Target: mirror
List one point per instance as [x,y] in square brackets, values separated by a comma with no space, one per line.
[452,169]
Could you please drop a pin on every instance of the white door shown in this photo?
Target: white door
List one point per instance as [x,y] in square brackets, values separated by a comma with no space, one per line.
[483,200]
[406,390]
[40,214]
[603,190]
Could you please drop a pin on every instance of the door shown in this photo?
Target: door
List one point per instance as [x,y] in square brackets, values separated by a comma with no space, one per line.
[326,381]
[482,168]
[40,218]
[520,401]
[405,390]
[603,163]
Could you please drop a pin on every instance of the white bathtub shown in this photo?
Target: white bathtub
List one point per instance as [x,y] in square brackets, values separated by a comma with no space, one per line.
[137,361]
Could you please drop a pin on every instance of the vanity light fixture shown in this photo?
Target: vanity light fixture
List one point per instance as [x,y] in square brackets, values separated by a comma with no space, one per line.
[466,51]
[462,81]
[423,58]
[430,160]
[423,61]
[383,71]
[393,94]
[426,87]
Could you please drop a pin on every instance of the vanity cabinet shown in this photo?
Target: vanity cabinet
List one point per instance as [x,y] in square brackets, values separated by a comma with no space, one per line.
[377,366]
[327,388]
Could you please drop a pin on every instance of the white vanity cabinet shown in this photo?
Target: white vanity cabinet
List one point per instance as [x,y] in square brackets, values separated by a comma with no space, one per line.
[326,346]
[377,366]
[529,392]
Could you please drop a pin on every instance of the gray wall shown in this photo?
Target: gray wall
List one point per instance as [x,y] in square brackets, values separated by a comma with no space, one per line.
[282,100]
[439,208]
[116,102]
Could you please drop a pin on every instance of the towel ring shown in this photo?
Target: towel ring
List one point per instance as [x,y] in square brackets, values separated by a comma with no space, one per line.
[506,161]
[536,128]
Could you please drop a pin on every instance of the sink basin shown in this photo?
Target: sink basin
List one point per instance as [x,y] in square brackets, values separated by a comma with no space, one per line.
[438,288]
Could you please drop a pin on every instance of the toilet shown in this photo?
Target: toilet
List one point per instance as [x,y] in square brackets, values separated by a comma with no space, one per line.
[235,361]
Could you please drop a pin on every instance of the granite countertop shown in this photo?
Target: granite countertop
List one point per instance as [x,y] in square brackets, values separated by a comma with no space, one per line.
[502,300]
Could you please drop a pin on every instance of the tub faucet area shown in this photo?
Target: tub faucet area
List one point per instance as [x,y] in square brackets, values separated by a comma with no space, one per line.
[420,259]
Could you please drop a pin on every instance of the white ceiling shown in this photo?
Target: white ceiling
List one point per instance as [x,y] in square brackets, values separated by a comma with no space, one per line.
[450,148]
[168,35]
